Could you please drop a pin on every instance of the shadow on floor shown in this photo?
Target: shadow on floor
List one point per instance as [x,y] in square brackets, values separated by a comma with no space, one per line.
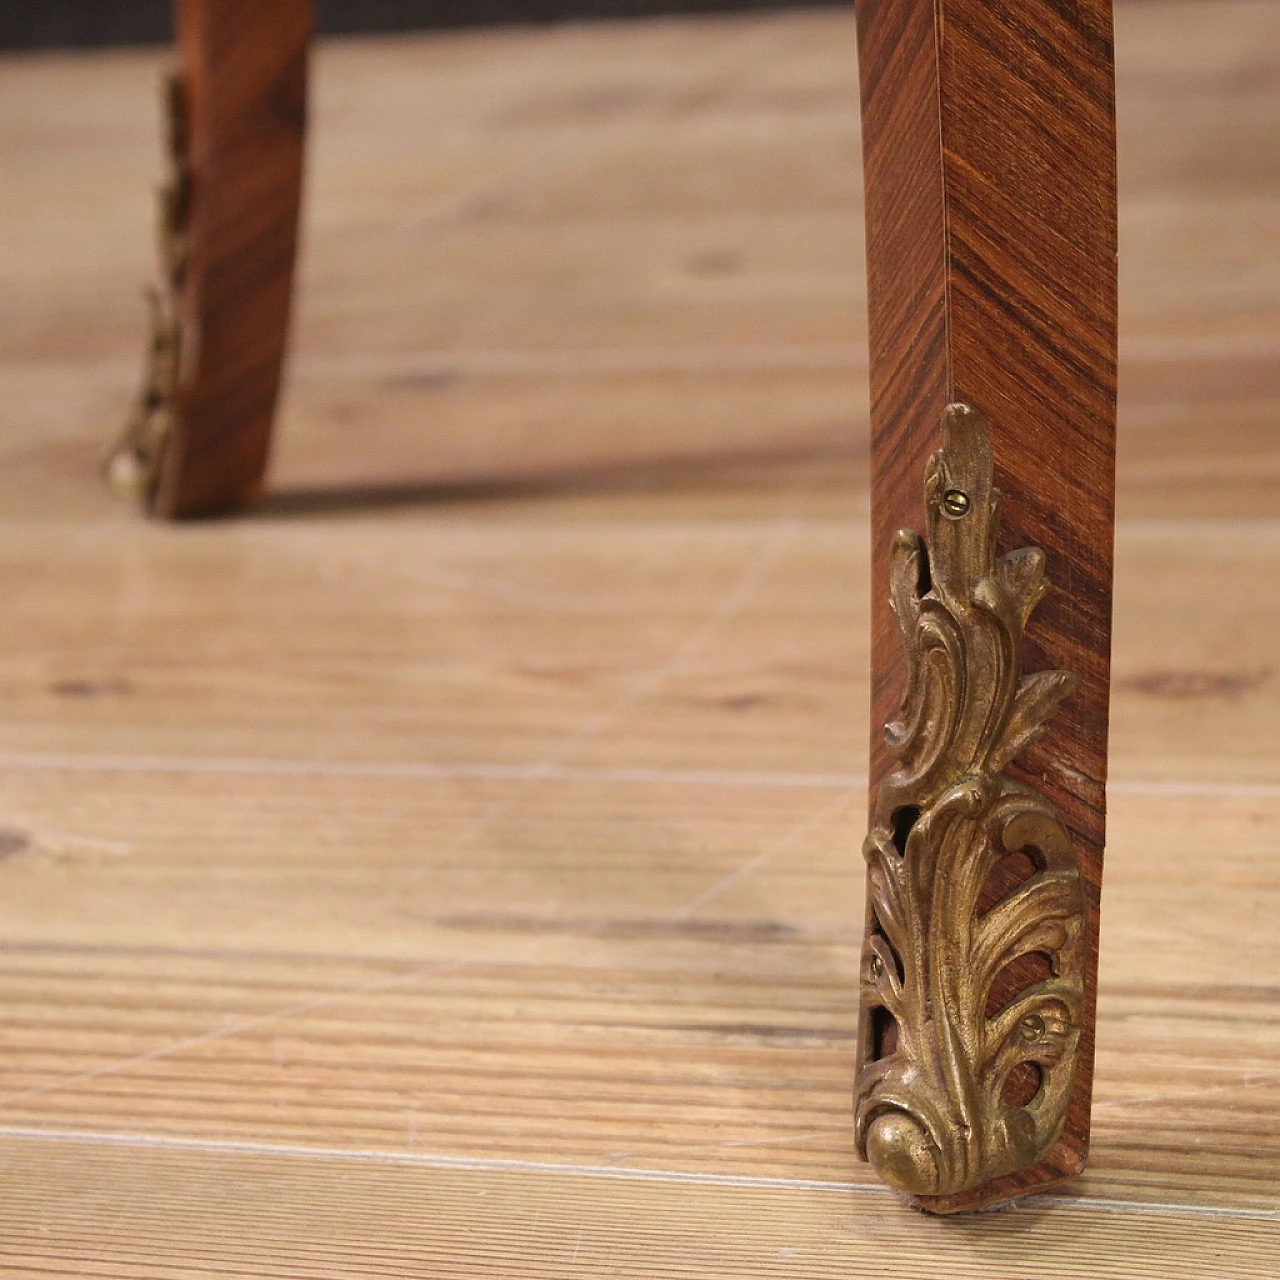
[757,470]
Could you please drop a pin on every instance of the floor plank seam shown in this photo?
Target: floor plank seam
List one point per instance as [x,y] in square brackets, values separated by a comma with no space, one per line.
[430,1160]
[673,358]
[545,771]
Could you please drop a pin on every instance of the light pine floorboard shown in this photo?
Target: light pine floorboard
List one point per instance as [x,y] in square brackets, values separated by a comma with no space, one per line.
[451,869]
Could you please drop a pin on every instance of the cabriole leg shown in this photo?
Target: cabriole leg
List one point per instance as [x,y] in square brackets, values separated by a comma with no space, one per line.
[197,441]
[991,238]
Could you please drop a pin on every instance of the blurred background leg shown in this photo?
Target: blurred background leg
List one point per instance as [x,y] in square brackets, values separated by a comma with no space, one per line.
[198,440]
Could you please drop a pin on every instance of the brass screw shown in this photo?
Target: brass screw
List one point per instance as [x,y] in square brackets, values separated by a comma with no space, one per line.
[955,503]
[875,968]
[1032,1026]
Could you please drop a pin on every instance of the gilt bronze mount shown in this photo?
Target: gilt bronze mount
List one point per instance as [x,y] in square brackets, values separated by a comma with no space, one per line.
[973,964]
[133,465]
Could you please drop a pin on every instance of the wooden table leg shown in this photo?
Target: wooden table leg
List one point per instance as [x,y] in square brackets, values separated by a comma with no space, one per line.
[198,439]
[991,239]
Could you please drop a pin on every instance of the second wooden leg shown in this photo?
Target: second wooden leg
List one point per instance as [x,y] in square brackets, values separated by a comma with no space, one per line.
[199,439]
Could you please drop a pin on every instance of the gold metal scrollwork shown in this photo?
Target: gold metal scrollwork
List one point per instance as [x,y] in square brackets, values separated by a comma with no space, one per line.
[133,465]
[971,1007]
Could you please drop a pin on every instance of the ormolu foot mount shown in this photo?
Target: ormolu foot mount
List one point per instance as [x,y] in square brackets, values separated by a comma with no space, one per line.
[973,986]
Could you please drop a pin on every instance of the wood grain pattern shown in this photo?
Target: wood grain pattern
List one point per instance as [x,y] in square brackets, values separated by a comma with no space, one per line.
[244,80]
[79,1205]
[492,794]
[989,149]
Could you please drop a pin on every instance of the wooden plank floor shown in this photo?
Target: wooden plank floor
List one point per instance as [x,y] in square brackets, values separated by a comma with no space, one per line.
[451,870]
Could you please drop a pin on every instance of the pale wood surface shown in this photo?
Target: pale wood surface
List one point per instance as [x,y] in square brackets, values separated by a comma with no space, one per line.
[491,800]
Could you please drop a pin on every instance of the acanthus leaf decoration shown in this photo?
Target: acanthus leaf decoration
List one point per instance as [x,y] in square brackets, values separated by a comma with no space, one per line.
[953,1092]
[132,467]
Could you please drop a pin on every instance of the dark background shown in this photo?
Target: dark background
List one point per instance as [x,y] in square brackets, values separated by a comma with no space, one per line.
[34,24]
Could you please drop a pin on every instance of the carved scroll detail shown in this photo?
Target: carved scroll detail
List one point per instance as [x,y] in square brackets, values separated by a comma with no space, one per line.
[953,1091]
[132,468]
